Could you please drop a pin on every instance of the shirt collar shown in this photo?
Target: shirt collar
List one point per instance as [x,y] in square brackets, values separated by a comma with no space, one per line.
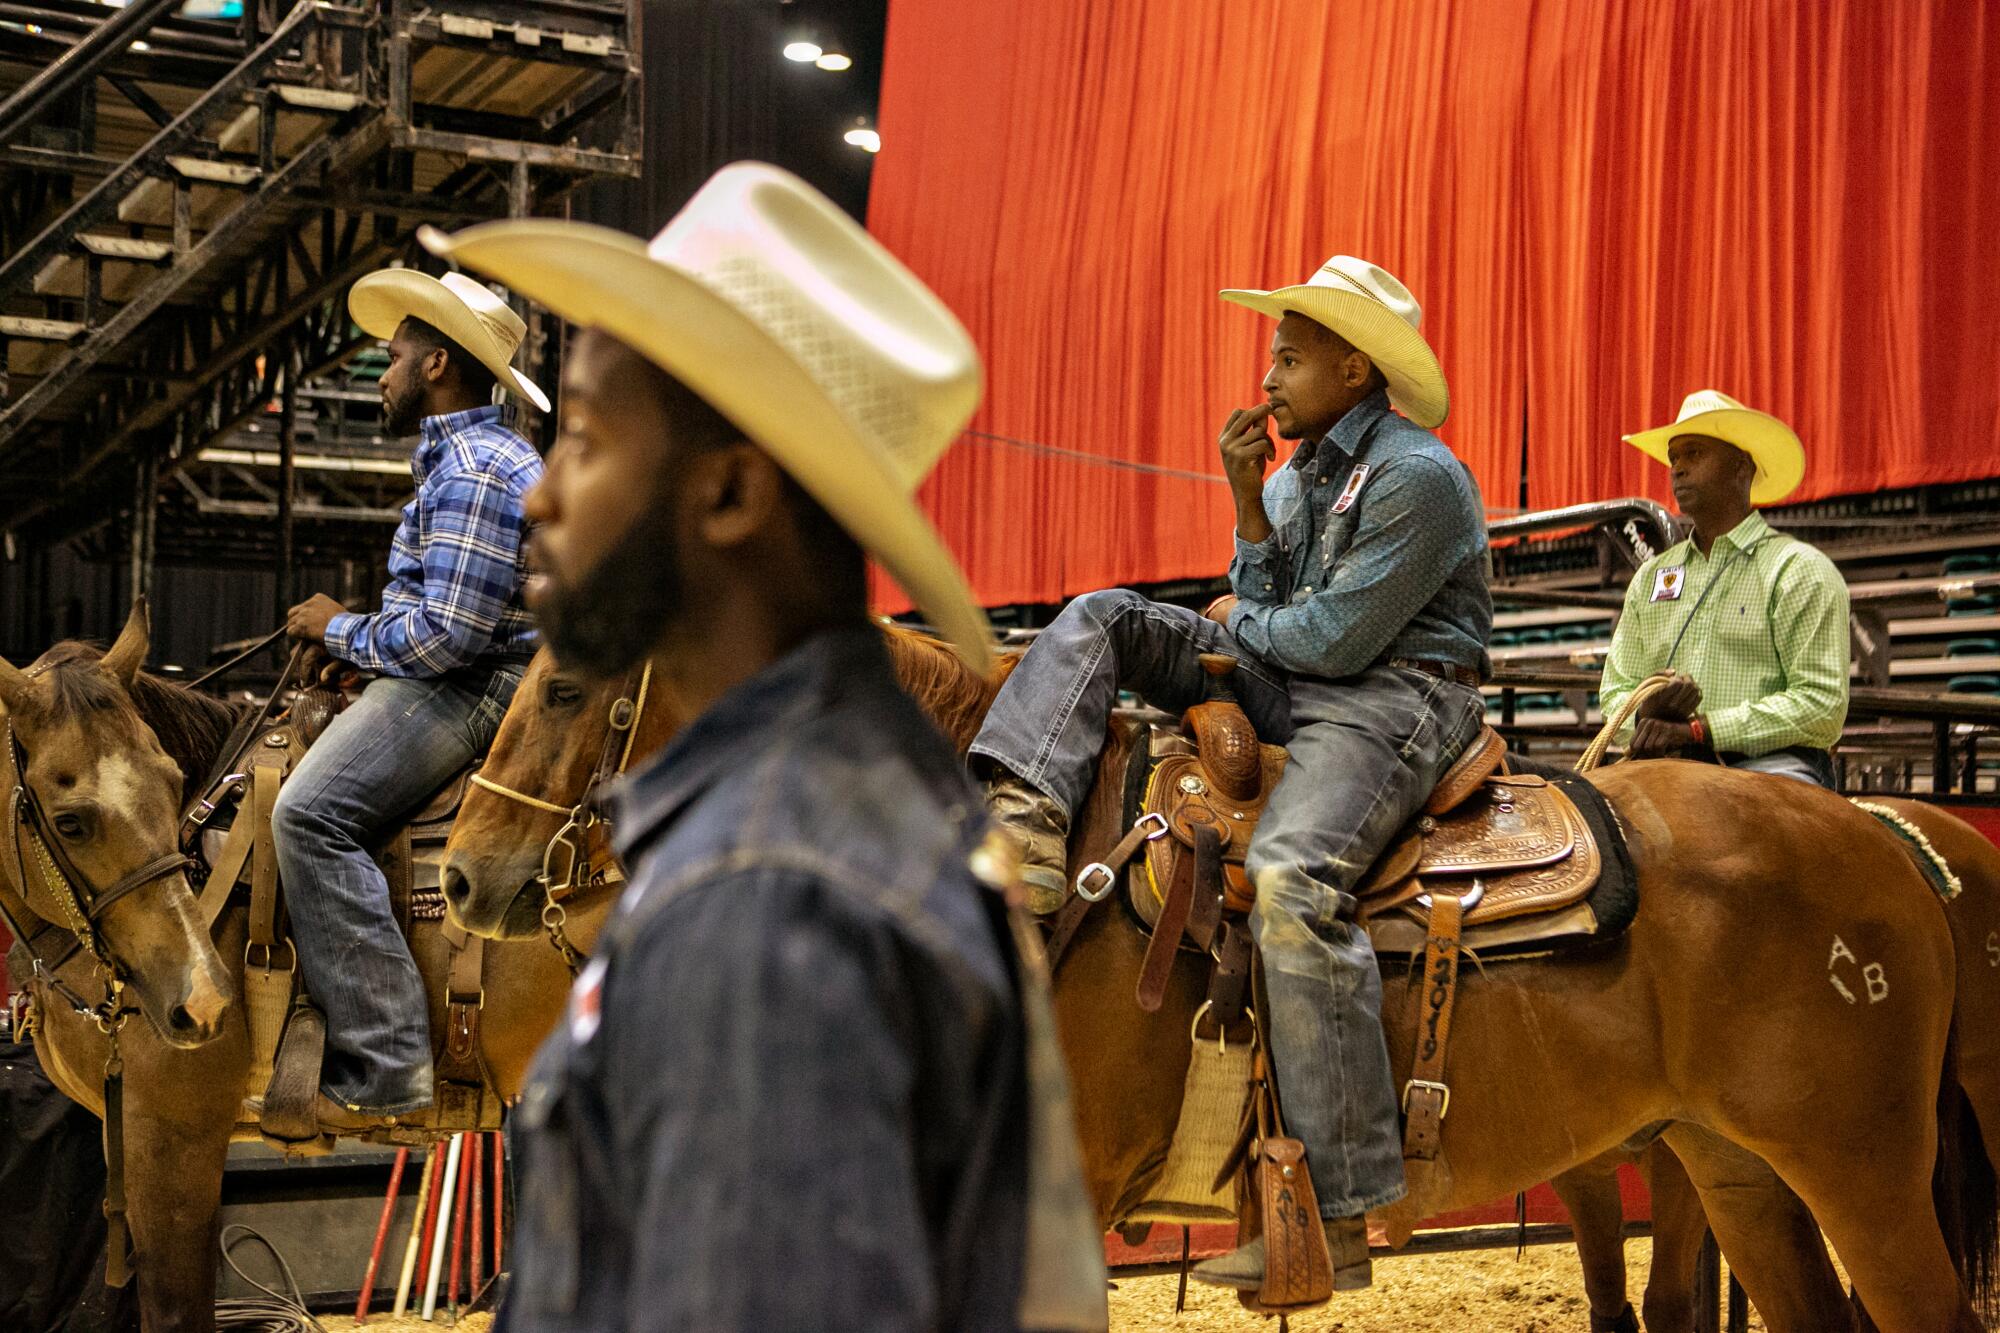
[434,434]
[1351,431]
[1746,534]
[737,728]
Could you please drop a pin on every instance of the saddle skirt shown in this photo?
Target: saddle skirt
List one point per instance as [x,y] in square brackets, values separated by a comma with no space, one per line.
[1513,847]
[238,851]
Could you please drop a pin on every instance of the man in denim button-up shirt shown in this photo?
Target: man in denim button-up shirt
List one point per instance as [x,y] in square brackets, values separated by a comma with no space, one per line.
[1360,616]
[808,1078]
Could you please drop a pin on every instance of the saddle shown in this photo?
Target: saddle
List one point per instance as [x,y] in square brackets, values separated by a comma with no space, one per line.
[231,824]
[1498,863]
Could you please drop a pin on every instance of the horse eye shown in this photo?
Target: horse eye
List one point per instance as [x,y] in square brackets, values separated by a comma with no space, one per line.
[70,826]
[563,693]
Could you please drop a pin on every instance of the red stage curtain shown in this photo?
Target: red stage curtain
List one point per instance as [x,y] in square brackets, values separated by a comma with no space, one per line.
[1601,206]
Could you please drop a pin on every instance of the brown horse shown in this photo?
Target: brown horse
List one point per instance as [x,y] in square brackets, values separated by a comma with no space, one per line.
[120,753]
[1717,1015]
[1591,1192]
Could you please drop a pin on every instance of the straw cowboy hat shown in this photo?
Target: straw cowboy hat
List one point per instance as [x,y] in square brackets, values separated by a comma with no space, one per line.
[1367,306]
[794,323]
[1780,458]
[459,308]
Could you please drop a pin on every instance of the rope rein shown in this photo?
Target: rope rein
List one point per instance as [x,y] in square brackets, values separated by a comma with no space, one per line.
[1593,754]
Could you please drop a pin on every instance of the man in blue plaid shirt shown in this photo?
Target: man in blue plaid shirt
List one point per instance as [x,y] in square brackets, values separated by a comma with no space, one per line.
[448,646]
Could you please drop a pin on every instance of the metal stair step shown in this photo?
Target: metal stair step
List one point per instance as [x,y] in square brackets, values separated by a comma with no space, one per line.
[240,174]
[326,100]
[124,259]
[40,330]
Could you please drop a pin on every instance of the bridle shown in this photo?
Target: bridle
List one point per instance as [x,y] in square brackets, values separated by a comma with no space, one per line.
[33,846]
[569,847]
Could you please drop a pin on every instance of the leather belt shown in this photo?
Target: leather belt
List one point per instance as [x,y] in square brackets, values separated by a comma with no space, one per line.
[1442,670]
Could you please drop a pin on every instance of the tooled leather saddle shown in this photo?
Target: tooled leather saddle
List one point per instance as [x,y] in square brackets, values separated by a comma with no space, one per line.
[1498,862]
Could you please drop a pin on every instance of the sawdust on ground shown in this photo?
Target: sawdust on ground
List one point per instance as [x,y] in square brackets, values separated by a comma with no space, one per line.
[1486,1291]
[382,1323]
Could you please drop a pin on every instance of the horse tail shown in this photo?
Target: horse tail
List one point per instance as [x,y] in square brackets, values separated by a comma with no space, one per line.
[1965,1187]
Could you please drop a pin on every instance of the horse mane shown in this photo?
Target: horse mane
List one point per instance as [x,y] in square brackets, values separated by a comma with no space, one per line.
[191,726]
[953,695]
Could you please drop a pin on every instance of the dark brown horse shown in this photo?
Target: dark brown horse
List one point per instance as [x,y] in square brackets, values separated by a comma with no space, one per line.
[1591,1192]
[1718,1016]
[119,752]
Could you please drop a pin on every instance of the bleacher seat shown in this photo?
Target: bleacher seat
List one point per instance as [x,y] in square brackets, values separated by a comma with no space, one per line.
[1983,604]
[1972,648]
[1971,562]
[1973,684]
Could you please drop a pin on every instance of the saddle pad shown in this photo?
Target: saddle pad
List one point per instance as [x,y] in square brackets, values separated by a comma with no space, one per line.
[1398,927]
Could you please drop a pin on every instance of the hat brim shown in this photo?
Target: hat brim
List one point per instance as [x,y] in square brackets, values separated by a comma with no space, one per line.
[1780,458]
[598,278]
[1416,381]
[381,301]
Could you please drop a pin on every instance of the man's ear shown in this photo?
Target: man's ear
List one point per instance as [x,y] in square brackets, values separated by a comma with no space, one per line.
[434,364]
[739,493]
[1355,368]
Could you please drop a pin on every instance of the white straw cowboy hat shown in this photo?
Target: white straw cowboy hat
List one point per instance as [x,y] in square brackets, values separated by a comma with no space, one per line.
[1780,458]
[458,307]
[1365,304]
[786,317]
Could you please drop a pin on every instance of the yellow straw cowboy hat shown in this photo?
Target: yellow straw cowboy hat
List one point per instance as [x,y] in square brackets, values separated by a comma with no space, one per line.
[1364,304]
[785,316]
[1780,458]
[458,307]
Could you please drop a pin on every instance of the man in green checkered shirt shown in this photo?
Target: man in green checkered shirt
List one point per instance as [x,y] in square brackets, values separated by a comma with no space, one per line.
[1752,623]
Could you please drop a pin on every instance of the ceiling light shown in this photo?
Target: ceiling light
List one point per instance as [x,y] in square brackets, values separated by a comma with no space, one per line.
[834,61]
[803,52]
[865,139]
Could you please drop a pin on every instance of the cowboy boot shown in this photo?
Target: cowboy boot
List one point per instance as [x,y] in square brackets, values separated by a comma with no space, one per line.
[1040,829]
[1346,1245]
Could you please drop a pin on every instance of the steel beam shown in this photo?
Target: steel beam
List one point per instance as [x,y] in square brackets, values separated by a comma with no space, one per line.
[112,35]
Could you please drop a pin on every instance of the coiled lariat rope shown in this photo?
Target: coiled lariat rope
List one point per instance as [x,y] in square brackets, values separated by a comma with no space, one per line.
[1593,754]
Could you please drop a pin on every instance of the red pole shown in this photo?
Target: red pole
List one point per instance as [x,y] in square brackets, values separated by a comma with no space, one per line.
[430,1225]
[381,1235]
[458,1227]
[475,1269]
[499,1200]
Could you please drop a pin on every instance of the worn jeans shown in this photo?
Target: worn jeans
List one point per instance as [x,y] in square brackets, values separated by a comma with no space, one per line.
[1364,753]
[374,766]
[1800,762]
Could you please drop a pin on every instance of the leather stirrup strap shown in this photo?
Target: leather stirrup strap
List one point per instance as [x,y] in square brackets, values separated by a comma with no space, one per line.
[464,997]
[1427,1097]
[1098,878]
[264,855]
[227,870]
[1205,913]
[1172,924]
[1228,983]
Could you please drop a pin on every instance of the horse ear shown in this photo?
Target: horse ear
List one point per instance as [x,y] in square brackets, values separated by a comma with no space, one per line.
[134,642]
[14,686]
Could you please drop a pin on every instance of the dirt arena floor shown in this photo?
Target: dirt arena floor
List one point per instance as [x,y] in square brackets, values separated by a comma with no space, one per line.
[1481,1292]
[1489,1292]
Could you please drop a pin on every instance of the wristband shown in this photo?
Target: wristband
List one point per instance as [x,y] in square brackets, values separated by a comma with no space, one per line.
[1699,730]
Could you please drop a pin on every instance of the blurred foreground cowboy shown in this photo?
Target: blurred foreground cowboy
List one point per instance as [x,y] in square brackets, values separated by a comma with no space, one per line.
[1360,619]
[1752,623]
[448,646]
[793,1087]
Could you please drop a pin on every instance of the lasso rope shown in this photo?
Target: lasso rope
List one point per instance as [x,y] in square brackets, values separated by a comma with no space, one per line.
[1593,754]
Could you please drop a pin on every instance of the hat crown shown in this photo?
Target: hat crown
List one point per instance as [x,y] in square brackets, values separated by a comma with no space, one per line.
[494,315]
[1708,400]
[885,351]
[1347,274]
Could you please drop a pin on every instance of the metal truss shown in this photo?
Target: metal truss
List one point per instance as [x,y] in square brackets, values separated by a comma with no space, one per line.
[179,225]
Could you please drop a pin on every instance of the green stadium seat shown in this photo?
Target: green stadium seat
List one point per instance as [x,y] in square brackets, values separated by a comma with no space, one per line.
[1972,648]
[1529,636]
[1973,685]
[1971,562]
[1984,604]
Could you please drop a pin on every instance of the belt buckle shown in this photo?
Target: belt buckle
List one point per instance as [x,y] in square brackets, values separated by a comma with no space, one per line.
[1425,1085]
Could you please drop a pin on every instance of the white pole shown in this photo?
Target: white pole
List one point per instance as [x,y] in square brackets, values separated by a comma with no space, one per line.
[437,1244]
[416,1233]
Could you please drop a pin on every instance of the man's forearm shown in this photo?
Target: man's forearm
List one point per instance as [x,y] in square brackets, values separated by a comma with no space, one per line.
[1253,525]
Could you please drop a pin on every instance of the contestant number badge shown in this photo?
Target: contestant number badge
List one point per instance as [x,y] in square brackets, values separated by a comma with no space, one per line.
[1668,582]
[1351,489]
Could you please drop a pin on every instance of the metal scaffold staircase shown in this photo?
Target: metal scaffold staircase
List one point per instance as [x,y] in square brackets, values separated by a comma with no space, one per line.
[176,235]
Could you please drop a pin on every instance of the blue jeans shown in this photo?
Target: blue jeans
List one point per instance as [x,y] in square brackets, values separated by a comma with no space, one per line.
[1364,753]
[375,764]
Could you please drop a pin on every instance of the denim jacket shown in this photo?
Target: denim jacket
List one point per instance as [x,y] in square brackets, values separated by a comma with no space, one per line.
[790,1091]
[1377,550]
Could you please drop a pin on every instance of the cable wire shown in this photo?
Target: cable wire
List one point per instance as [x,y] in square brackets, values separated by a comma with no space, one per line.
[274,1312]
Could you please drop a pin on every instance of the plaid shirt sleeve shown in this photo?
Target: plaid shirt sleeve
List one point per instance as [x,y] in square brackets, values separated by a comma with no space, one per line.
[473,528]
[1808,615]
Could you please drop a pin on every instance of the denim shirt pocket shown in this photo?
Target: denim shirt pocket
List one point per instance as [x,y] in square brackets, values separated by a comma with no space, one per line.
[1294,525]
